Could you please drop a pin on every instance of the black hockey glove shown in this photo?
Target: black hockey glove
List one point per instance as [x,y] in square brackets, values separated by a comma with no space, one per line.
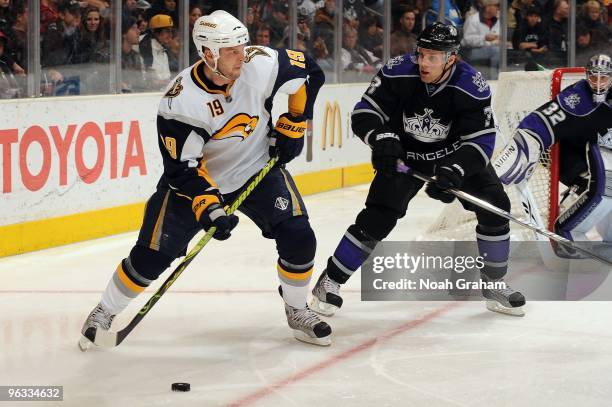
[447,176]
[386,150]
[287,137]
[209,212]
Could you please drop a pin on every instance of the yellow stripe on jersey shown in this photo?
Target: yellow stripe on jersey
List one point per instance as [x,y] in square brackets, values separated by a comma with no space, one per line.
[159,224]
[203,172]
[132,286]
[295,202]
[294,276]
[297,101]
[202,84]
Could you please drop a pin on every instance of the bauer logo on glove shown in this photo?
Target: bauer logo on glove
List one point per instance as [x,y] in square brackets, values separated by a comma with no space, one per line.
[288,137]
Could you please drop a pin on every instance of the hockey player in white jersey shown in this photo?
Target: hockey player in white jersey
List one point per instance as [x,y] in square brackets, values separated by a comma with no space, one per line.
[215,133]
[580,120]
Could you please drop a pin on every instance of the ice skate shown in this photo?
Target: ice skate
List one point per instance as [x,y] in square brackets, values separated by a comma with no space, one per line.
[325,296]
[99,318]
[307,327]
[504,300]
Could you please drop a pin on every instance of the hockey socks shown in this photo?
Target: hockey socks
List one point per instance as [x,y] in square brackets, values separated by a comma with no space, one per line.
[123,287]
[352,251]
[494,247]
[294,281]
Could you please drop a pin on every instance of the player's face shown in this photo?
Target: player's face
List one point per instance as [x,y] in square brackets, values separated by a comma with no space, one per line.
[432,63]
[600,83]
[230,61]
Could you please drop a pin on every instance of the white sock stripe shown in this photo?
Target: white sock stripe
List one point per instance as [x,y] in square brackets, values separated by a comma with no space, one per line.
[135,274]
[495,264]
[297,266]
[345,270]
[357,243]
[493,238]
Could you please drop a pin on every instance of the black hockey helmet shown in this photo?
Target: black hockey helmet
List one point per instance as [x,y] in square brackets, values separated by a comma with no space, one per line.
[440,37]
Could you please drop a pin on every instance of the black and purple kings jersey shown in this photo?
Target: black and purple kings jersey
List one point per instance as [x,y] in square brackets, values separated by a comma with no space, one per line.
[452,119]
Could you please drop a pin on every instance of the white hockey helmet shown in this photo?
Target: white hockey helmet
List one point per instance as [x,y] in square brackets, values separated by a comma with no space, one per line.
[218,30]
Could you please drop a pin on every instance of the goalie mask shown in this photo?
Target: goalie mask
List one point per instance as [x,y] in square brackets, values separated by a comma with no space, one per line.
[599,76]
[218,30]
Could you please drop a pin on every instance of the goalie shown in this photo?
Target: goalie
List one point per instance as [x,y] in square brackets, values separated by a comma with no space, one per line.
[580,120]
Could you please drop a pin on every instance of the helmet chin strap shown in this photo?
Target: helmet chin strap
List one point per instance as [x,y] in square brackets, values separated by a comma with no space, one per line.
[215,69]
[444,70]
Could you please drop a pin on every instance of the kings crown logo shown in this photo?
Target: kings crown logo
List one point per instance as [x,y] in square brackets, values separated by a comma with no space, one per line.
[425,127]
[572,100]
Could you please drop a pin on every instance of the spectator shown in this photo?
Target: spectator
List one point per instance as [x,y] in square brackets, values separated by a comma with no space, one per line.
[9,88]
[304,37]
[5,15]
[60,44]
[133,79]
[481,38]
[195,12]
[94,46]
[307,8]
[517,13]
[49,14]
[262,36]
[592,18]
[277,22]
[167,7]
[131,8]
[18,35]
[557,33]
[356,58]
[403,40]
[371,35]
[531,36]
[159,61]
[324,29]
[589,43]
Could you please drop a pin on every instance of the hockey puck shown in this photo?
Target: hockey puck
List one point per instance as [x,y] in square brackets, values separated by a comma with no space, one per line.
[181,387]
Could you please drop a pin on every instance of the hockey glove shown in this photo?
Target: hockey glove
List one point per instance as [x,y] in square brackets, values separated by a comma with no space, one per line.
[287,137]
[447,176]
[386,150]
[209,212]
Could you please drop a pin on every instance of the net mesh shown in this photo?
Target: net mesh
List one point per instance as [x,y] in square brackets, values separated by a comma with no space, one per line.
[516,95]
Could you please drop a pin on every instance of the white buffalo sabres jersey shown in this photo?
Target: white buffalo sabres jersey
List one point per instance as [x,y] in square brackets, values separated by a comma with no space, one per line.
[218,137]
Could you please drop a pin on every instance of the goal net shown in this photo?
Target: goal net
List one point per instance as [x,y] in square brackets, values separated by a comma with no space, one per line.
[516,95]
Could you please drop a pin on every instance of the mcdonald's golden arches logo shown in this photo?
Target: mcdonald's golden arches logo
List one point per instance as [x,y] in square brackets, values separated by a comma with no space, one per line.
[332,121]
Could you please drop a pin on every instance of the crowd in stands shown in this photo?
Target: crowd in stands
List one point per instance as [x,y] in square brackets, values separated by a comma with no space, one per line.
[75,35]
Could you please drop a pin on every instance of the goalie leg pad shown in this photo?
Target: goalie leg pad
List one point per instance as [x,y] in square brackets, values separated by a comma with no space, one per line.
[519,158]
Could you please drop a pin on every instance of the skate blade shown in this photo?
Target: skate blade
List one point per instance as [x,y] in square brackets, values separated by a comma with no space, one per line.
[321,307]
[304,337]
[495,306]
[84,343]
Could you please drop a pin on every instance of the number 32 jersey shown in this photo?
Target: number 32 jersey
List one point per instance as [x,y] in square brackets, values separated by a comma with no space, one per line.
[214,137]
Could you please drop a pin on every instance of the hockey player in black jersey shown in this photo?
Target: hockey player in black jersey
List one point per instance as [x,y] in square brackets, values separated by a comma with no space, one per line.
[580,120]
[434,113]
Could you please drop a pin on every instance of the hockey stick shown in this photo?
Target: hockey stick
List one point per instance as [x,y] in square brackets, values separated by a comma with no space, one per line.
[403,168]
[112,339]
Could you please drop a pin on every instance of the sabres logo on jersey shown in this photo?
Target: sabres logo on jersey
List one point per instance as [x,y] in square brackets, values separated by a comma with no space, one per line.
[174,90]
[240,125]
[252,52]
